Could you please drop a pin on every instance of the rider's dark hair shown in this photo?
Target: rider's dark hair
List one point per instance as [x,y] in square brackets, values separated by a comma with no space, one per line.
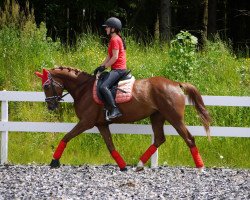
[123,41]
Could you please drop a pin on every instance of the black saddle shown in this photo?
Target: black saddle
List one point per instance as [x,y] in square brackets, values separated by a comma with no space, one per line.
[103,76]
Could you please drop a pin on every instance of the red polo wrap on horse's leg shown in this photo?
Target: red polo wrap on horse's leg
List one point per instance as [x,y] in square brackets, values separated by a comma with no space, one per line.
[118,159]
[197,158]
[149,152]
[59,150]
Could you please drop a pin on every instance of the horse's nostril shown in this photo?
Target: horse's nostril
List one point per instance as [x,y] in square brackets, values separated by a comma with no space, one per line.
[51,107]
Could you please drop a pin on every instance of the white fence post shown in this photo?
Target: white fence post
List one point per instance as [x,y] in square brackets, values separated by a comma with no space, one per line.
[4,138]
[154,157]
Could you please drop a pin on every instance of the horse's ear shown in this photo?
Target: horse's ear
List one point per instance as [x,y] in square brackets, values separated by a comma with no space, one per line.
[39,75]
[44,76]
[45,71]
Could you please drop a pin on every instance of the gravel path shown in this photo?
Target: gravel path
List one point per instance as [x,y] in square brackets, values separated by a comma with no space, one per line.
[107,182]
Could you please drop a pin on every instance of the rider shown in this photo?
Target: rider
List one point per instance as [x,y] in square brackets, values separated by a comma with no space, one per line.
[116,58]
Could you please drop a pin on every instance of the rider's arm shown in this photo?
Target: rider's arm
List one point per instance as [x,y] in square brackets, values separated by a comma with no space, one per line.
[105,61]
[112,60]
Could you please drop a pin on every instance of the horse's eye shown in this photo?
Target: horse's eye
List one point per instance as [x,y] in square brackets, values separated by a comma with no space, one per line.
[46,87]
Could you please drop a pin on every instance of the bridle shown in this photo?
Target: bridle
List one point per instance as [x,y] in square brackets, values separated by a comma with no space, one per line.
[54,100]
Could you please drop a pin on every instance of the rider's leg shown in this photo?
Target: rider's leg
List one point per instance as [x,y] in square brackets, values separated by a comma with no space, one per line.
[113,76]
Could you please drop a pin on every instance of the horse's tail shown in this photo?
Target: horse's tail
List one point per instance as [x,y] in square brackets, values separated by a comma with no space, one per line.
[194,97]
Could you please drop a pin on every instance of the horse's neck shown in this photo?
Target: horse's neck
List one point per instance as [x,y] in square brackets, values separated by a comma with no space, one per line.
[74,84]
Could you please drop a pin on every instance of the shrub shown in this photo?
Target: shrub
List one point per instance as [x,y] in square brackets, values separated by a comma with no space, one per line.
[183,58]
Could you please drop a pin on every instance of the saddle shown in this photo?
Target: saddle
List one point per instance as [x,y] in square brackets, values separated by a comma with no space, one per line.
[121,90]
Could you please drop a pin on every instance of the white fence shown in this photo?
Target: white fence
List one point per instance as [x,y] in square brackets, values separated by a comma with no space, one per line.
[6,125]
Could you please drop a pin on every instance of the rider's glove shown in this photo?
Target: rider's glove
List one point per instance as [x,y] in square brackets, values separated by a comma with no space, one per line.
[99,69]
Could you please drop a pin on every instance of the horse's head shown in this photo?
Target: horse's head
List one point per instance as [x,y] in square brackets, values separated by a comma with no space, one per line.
[53,88]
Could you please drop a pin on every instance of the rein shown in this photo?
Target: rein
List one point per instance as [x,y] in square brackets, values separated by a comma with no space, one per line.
[52,84]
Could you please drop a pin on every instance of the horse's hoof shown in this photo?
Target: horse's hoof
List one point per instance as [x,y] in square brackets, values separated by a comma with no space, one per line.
[138,169]
[124,169]
[55,163]
[201,170]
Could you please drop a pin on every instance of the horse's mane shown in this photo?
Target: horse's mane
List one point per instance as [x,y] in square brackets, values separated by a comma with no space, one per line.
[76,71]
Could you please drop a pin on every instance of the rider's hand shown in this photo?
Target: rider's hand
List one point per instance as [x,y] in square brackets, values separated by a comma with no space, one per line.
[99,69]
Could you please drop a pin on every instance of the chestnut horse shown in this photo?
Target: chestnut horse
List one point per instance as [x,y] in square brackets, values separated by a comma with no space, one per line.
[157,97]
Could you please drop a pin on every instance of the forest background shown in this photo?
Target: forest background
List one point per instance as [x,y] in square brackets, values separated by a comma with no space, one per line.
[146,20]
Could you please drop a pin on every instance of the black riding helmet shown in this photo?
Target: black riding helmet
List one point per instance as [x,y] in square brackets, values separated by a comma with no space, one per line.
[113,22]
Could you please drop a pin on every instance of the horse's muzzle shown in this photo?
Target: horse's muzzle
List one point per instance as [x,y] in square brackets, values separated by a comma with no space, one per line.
[52,103]
[53,106]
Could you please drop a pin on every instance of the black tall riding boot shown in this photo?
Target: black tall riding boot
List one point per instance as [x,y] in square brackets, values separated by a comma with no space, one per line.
[114,112]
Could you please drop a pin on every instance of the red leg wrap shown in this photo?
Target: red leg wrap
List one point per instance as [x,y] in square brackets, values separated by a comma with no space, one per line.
[197,158]
[59,150]
[149,152]
[118,159]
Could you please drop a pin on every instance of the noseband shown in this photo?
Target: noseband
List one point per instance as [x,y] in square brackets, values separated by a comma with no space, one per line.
[55,98]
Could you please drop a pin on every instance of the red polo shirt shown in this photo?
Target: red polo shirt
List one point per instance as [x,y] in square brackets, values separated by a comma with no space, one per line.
[116,43]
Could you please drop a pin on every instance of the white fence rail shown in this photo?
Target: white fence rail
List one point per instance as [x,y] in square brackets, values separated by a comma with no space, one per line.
[6,125]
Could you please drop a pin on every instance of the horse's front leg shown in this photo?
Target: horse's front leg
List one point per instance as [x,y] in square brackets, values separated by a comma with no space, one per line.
[79,128]
[105,132]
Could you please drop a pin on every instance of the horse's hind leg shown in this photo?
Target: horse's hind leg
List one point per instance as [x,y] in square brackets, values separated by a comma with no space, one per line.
[105,132]
[157,121]
[190,141]
[174,114]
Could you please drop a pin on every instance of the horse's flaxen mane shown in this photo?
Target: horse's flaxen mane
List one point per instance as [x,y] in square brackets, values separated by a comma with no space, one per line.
[77,71]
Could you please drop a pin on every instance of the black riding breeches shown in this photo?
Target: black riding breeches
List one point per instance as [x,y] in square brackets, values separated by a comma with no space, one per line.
[113,77]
